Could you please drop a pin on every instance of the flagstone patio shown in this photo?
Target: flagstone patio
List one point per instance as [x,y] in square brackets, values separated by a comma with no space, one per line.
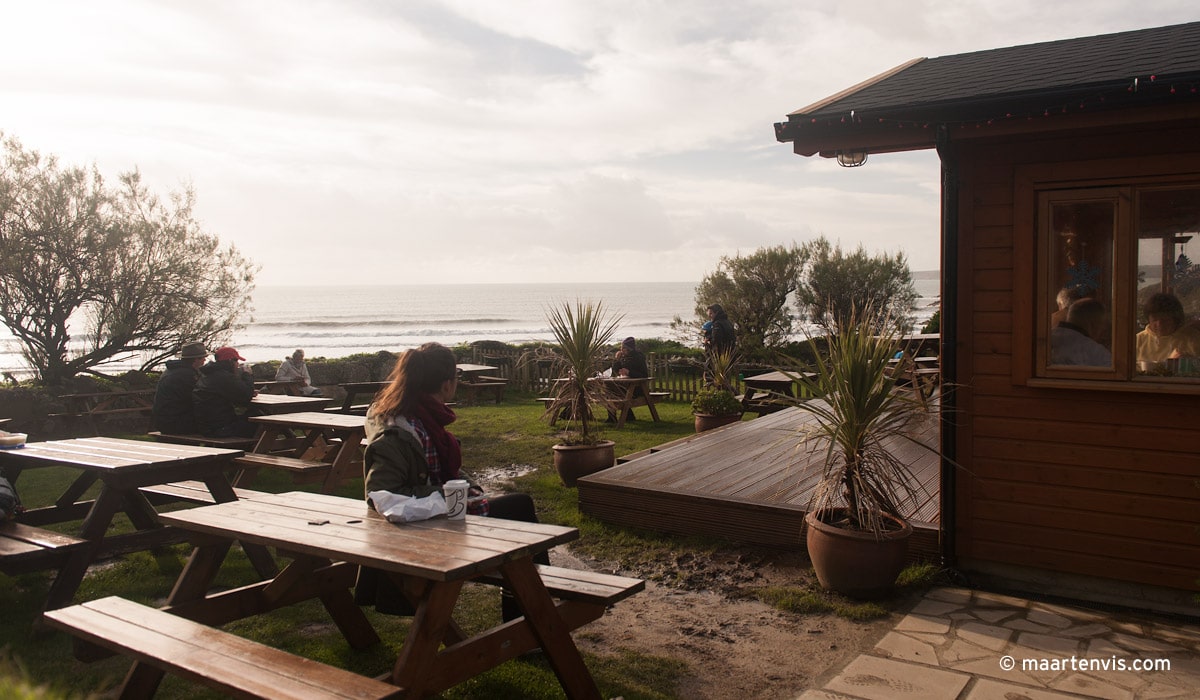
[958,644]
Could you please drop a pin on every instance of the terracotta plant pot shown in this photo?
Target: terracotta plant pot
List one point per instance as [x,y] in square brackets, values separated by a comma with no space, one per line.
[705,421]
[854,563]
[574,461]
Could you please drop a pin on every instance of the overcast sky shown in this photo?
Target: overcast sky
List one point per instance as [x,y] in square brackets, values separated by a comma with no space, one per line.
[397,141]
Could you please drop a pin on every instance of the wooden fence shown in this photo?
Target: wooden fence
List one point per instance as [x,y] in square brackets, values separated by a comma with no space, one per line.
[682,378]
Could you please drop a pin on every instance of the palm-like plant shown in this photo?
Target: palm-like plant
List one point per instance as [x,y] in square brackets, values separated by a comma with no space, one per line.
[583,331]
[717,397]
[860,413]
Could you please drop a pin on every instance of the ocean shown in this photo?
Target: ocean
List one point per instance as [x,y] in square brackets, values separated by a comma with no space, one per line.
[343,320]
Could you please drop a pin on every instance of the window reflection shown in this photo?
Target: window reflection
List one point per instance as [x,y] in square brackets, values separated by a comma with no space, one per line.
[1081,255]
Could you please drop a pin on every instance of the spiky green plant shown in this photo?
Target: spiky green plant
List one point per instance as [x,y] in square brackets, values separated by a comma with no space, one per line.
[860,413]
[582,331]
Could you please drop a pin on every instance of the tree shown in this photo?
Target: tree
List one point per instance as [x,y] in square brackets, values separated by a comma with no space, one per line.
[754,290]
[841,285]
[138,276]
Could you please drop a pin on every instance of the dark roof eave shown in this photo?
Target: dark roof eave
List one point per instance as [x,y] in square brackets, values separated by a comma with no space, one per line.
[812,133]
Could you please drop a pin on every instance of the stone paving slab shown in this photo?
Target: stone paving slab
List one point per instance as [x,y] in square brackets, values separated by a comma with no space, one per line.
[959,644]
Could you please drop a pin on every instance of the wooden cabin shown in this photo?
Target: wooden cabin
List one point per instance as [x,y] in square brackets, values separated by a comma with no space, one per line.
[1069,168]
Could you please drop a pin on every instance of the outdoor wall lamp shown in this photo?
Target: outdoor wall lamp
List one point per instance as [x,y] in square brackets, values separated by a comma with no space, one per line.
[851,159]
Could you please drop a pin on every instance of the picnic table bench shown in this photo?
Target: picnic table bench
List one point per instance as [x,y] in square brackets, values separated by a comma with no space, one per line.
[25,548]
[211,657]
[105,403]
[229,443]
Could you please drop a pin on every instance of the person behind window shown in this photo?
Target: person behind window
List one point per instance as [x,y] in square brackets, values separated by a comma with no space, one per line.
[410,452]
[293,369]
[1066,297]
[1166,336]
[1074,341]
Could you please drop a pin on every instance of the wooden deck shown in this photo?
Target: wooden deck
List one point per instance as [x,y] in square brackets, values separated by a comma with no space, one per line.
[748,482]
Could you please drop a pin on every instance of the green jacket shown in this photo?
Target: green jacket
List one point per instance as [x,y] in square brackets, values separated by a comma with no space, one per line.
[395,461]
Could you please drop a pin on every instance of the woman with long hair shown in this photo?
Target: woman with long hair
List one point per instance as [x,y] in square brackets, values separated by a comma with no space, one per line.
[410,452]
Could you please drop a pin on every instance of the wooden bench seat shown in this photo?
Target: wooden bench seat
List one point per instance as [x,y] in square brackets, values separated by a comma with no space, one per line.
[582,586]
[231,443]
[24,548]
[206,655]
[191,492]
[299,468]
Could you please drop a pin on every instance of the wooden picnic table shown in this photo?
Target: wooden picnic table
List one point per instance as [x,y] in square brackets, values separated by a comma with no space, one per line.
[624,395]
[104,403]
[330,537]
[316,436]
[290,387]
[764,391]
[272,404]
[353,389]
[121,467]
[472,372]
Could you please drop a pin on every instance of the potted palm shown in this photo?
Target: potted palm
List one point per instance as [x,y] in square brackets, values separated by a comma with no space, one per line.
[856,534]
[583,332]
[715,405]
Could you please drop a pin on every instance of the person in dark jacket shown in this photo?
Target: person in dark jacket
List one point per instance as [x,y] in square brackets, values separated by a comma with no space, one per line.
[723,336]
[173,412]
[224,388]
[629,362]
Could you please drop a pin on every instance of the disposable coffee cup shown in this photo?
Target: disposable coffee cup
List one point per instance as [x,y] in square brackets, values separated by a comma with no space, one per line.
[456,498]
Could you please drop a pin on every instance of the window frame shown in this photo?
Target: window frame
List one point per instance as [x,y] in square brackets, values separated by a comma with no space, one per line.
[1036,186]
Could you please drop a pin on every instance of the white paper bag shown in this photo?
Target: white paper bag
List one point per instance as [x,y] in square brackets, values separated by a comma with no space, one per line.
[398,508]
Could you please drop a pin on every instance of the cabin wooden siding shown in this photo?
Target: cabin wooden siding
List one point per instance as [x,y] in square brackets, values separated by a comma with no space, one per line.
[1088,482]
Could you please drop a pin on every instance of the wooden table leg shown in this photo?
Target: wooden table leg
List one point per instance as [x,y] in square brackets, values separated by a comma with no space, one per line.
[343,462]
[625,406]
[259,555]
[550,629]
[429,627]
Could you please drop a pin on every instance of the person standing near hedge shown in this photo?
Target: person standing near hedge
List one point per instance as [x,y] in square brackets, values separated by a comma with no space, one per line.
[723,335]
[173,411]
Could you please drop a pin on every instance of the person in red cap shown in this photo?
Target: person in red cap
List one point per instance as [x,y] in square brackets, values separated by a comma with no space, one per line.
[222,396]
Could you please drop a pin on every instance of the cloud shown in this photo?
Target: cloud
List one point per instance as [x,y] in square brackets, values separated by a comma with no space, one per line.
[465,140]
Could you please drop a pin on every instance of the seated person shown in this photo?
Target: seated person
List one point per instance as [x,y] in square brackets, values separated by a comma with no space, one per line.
[173,413]
[1074,340]
[1165,336]
[222,396]
[293,369]
[1066,297]
[630,362]
[410,452]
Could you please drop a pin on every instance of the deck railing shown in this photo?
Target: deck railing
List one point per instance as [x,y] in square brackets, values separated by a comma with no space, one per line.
[683,379]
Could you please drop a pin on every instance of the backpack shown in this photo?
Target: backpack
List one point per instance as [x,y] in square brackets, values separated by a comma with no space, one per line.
[9,503]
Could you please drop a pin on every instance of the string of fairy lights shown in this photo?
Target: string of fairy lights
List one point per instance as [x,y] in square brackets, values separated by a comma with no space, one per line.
[1149,86]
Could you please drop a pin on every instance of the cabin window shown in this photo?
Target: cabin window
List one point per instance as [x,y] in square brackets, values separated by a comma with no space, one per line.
[1107,255]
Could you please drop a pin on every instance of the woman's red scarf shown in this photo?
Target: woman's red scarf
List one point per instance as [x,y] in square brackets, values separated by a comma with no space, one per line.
[435,416]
